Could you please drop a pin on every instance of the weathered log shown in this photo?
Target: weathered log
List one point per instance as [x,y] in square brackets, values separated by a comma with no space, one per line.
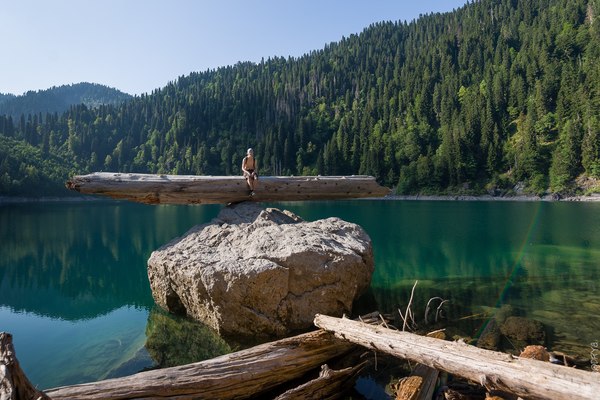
[330,384]
[195,189]
[527,378]
[238,375]
[14,385]
[420,385]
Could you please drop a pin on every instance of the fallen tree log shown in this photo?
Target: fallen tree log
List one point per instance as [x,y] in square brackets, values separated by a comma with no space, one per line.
[330,384]
[238,375]
[195,189]
[420,385]
[527,378]
[14,385]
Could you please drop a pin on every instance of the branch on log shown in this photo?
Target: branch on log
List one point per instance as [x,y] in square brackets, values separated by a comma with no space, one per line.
[330,384]
[238,375]
[527,378]
[14,385]
[195,189]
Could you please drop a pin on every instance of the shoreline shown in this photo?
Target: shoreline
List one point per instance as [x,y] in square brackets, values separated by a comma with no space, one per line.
[519,198]
[47,199]
[592,198]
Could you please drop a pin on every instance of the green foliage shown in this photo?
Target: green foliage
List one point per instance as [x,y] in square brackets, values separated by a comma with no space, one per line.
[25,170]
[496,88]
[590,148]
[566,162]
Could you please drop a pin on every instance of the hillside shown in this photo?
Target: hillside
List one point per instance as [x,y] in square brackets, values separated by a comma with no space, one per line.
[495,94]
[59,99]
[26,170]
[5,97]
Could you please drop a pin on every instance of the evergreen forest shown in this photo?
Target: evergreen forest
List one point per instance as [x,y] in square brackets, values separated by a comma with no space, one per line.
[59,99]
[495,95]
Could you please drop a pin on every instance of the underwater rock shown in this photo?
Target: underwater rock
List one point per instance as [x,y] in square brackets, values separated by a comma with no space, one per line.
[255,271]
[505,311]
[535,352]
[141,361]
[490,337]
[173,340]
[523,329]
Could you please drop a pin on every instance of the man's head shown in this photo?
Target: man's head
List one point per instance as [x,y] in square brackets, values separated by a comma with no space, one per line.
[250,152]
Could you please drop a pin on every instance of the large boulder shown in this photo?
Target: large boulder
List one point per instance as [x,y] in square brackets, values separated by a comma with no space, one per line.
[255,271]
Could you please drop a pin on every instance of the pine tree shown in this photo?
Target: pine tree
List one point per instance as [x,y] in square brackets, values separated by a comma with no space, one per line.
[566,163]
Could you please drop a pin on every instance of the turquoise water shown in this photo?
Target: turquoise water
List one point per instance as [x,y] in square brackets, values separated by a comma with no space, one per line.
[75,294]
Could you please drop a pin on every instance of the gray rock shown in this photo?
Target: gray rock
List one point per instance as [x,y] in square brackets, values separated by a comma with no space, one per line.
[255,271]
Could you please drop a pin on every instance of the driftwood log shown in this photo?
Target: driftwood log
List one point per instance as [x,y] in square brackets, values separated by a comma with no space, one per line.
[14,385]
[330,384]
[195,189]
[238,375]
[420,385]
[527,378]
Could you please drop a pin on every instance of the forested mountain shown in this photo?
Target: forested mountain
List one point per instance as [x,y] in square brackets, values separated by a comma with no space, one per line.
[5,97]
[496,93]
[59,99]
[26,170]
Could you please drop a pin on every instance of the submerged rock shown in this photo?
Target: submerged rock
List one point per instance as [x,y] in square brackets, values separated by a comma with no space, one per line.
[525,330]
[255,271]
[490,337]
[173,340]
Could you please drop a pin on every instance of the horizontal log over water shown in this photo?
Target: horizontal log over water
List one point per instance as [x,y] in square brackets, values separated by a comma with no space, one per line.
[197,189]
[530,379]
[238,375]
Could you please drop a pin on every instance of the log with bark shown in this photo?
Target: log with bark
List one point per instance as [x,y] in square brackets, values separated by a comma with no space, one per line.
[238,375]
[14,384]
[527,378]
[195,189]
[330,384]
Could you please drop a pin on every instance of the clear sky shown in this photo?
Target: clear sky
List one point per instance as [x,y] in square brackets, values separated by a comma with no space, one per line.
[140,45]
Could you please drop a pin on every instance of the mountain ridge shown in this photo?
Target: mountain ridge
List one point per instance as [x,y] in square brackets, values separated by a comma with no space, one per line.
[495,95]
[58,99]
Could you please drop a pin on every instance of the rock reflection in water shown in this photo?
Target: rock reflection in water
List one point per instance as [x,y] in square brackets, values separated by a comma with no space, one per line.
[173,340]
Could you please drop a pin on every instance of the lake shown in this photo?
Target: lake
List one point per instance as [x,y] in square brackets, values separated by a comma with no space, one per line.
[75,294]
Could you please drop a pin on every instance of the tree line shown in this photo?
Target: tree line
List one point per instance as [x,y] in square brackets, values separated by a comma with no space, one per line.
[496,93]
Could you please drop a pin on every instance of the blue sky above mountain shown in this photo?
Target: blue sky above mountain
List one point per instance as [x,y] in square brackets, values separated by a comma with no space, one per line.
[140,45]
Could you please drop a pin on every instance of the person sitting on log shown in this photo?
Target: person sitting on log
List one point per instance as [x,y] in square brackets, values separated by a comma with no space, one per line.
[250,170]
